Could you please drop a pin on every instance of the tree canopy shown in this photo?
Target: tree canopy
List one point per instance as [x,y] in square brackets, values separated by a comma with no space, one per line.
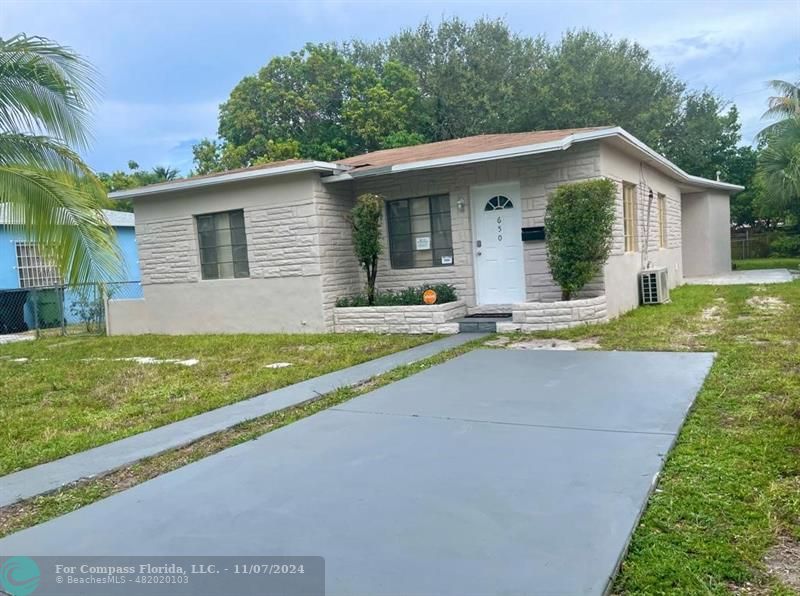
[431,83]
[455,79]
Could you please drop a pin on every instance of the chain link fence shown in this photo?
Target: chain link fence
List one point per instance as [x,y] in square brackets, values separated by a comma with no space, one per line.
[59,309]
[747,244]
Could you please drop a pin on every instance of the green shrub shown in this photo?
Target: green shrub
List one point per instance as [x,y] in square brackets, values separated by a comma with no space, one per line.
[578,225]
[406,297]
[365,219]
[784,245]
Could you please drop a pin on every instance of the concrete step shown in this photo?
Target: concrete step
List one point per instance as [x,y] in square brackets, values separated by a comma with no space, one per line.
[480,324]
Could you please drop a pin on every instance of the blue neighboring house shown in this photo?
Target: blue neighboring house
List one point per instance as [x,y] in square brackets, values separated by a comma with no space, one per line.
[22,269]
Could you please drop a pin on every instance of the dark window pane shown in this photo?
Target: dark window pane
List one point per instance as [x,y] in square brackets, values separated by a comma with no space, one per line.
[207,239]
[419,229]
[208,255]
[210,271]
[402,260]
[221,245]
[205,223]
[237,219]
[241,269]
[398,209]
[238,236]
[240,253]
[440,204]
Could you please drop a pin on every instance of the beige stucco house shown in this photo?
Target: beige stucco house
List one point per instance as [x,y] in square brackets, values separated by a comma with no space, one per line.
[268,248]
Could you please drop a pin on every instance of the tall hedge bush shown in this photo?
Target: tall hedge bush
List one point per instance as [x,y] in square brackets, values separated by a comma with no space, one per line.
[578,225]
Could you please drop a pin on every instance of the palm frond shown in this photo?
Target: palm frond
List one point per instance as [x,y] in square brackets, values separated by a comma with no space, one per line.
[45,88]
[779,162]
[63,214]
[41,152]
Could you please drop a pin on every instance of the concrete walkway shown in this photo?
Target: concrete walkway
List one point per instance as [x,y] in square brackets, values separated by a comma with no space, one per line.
[735,278]
[497,472]
[50,476]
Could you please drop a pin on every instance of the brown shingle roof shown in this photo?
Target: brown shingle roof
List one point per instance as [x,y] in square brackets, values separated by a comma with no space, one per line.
[454,147]
[266,166]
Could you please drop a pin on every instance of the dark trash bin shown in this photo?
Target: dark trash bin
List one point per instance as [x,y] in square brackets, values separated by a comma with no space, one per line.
[12,311]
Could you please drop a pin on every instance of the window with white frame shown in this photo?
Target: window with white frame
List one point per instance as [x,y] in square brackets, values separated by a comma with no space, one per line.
[35,270]
[662,221]
[630,216]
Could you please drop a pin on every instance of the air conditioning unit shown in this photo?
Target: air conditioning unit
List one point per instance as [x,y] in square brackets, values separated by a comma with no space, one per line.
[653,286]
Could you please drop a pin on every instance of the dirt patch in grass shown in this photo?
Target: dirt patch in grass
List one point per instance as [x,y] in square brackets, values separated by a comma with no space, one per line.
[767,304]
[783,562]
[711,318]
[590,343]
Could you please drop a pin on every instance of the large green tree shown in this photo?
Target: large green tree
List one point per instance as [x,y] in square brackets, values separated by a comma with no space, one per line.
[703,136]
[454,79]
[46,91]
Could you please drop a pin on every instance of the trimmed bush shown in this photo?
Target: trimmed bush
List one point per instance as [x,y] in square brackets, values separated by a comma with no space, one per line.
[365,219]
[785,245]
[406,297]
[578,225]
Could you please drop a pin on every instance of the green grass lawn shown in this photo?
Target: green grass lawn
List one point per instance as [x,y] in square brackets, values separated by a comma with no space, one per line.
[59,396]
[770,263]
[730,490]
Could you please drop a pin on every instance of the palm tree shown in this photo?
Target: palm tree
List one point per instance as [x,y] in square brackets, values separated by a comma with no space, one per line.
[784,105]
[45,94]
[165,173]
[779,163]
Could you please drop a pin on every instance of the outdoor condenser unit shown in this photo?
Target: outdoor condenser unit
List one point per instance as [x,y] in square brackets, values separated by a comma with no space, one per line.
[653,286]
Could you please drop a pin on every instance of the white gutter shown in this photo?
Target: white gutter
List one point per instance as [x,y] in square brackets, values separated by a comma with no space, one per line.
[524,150]
[202,181]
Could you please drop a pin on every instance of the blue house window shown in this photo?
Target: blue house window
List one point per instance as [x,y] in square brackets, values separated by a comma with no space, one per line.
[34,270]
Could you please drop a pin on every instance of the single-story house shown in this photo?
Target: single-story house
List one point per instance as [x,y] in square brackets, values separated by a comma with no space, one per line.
[268,248]
[23,268]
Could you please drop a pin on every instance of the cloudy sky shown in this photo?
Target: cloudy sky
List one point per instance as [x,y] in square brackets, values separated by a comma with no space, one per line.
[166,65]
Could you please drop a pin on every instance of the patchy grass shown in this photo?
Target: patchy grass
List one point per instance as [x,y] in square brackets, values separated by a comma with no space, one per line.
[59,396]
[36,510]
[769,263]
[729,495]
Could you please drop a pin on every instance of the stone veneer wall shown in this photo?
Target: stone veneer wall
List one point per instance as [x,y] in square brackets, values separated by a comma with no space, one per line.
[538,176]
[435,318]
[341,273]
[546,316]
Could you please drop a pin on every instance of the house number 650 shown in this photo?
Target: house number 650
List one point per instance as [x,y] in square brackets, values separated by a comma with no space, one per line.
[499,229]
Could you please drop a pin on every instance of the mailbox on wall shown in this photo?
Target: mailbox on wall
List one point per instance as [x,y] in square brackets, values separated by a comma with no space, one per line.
[535,233]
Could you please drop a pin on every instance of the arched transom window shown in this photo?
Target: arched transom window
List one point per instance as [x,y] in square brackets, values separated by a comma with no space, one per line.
[498,202]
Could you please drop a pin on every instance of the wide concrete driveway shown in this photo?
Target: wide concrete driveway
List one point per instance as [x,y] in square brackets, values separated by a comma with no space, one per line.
[498,472]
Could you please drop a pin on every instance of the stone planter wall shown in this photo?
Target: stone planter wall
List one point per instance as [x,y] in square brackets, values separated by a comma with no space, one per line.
[436,318]
[546,316]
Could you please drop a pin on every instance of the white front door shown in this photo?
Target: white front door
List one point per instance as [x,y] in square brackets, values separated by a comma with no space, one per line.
[497,243]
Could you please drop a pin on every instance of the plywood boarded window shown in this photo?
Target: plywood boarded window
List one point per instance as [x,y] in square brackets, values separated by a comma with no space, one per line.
[662,221]
[630,216]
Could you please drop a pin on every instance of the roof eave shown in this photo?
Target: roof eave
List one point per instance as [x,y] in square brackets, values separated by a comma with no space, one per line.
[525,150]
[192,183]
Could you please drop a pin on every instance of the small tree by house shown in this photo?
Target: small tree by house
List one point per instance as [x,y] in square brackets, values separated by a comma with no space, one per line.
[365,219]
[578,225]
